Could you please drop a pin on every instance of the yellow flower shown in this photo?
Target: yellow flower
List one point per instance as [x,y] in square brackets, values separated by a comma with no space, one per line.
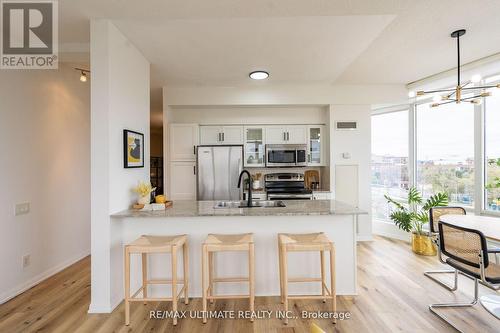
[143,189]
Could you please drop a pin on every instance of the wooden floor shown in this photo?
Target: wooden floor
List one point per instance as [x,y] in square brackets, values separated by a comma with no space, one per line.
[393,297]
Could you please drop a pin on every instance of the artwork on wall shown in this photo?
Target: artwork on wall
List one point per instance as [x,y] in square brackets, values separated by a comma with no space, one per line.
[133,149]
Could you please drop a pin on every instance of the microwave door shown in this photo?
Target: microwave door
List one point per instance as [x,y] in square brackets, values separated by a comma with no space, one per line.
[281,157]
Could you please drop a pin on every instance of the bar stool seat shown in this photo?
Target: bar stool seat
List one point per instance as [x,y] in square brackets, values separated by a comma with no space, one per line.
[148,244]
[226,243]
[301,243]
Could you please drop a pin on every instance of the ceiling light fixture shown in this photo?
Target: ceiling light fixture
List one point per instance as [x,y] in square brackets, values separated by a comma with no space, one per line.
[259,75]
[454,95]
[83,74]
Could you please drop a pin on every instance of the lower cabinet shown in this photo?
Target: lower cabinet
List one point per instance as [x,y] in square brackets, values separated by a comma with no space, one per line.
[321,195]
[182,181]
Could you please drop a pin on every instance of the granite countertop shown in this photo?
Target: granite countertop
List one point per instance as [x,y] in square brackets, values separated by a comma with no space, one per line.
[188,208]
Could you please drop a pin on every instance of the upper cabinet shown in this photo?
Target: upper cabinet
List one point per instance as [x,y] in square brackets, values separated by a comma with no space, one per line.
[293,134]
[316,145]
[221,135]
[254,147]
[183,139]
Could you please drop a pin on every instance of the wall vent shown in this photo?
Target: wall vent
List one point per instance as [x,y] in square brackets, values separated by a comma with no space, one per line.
[346,125]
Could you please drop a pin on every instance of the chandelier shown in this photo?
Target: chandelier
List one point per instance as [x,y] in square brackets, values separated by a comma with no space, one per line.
[455,95]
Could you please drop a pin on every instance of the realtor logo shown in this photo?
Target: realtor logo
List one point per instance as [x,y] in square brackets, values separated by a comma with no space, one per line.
[29,34]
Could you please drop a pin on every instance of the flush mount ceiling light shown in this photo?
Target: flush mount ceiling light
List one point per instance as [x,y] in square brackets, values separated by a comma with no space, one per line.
[454,95]
[259,75]
[83,74]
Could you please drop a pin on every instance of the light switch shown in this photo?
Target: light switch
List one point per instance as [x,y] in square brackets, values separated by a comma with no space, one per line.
[22,208]
[346,156]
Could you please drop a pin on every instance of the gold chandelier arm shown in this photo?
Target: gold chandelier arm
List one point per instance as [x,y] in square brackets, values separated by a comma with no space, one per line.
[482,87]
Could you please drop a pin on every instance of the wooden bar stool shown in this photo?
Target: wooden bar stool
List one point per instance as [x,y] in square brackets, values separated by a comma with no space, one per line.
[226,243]
[306,242]
[156,244]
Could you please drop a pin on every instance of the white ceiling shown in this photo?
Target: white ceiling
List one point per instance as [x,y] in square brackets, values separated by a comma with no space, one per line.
[218,42]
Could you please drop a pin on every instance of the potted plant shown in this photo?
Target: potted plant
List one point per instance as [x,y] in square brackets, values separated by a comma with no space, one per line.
[413,215]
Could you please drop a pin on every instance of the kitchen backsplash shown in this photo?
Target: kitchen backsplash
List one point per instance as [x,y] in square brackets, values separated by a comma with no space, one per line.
[324,182]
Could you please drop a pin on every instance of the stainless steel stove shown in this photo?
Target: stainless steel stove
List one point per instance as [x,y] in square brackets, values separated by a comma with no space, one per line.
[286,186]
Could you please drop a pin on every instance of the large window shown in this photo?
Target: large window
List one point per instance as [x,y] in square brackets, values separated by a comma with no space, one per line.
[389,160]
[492,152]
[445,151]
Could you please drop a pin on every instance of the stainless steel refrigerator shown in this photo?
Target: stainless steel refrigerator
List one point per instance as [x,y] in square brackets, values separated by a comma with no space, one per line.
[218,169]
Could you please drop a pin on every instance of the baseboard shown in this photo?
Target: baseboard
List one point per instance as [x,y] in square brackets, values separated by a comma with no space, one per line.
[388,229]
[364,238]
[10,294]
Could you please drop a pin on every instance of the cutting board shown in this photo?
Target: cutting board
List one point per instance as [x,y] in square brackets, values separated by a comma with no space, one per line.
[311,176]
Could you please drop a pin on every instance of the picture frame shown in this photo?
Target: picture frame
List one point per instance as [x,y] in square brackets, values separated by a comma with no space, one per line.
[133,149]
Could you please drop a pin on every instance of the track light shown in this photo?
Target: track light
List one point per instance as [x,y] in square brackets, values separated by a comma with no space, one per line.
[83,74]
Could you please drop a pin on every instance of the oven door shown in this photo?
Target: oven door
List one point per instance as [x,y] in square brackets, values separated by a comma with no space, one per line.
[281,157]
[288,196]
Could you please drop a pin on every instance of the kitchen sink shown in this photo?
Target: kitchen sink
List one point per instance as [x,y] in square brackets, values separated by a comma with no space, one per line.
[244,204]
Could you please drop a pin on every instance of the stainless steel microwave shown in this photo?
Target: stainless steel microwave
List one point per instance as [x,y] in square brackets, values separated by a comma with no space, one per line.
[286,155]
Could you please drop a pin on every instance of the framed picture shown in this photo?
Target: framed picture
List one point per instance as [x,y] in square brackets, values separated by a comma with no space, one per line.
[133,149]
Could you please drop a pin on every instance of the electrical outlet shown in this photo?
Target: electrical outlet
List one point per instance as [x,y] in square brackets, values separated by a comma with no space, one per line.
[26,260]
[22,208]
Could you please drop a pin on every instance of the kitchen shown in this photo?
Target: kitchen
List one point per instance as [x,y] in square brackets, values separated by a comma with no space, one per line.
[242,170]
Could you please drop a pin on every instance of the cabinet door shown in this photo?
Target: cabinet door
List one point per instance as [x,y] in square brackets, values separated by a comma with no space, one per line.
[183,140]
[232,135]
[254,147]
[316,145]
[275,134]
[210,135]
[296,134]
[182,181]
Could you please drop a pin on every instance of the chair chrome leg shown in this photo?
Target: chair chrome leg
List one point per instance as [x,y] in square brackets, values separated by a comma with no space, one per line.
[432,307]
[450,288]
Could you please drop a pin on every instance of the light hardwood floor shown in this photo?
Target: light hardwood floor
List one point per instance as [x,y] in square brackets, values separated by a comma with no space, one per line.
[393,297]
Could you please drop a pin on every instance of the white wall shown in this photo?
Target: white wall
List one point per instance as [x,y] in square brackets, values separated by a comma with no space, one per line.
[357,143]
[313,114]
[44,160]
[119,100]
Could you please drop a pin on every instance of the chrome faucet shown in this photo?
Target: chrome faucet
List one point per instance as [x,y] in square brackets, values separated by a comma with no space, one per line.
[250,185]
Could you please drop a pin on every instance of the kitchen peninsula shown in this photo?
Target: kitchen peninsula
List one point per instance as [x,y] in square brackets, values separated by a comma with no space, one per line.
[196,219]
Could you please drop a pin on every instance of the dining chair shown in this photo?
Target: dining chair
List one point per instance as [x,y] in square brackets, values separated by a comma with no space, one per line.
[466,250]
[434,214]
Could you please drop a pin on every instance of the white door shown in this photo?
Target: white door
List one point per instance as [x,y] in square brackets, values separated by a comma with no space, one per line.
[210,135]
[275,134]
[182,181]
[183,141]
[232,135]
[296,134]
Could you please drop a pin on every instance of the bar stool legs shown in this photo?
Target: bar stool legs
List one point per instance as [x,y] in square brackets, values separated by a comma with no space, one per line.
[228,243]
[156,244]
[307,242]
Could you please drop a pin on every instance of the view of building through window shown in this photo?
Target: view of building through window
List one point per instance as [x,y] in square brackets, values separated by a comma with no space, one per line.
[492,152]
[445,151]
[389,160]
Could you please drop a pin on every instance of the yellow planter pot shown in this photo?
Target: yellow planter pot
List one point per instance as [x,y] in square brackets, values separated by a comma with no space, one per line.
[423,245]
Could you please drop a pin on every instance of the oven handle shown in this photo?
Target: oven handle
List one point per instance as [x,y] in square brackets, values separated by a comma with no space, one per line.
[283,197]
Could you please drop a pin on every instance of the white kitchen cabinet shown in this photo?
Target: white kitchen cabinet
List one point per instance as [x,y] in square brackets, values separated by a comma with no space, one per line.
[296,134]
[321,195]
[292,134]
[182,181]
[316,145]
[221,135]
[183,139]
[232,135]
[254,147]
[210,135]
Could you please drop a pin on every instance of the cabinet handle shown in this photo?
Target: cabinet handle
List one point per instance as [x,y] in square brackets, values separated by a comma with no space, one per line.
[222,136]
[284,136]
[194,150]
[194,169]
[287,136]
[219,138]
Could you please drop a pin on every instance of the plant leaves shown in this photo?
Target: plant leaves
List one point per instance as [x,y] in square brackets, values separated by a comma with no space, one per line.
[438,199]
[414,196]
[402,219]
[394,202]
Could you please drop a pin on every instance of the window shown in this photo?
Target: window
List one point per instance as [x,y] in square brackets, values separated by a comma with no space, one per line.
[492,152]
[445,151]
[389,160]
